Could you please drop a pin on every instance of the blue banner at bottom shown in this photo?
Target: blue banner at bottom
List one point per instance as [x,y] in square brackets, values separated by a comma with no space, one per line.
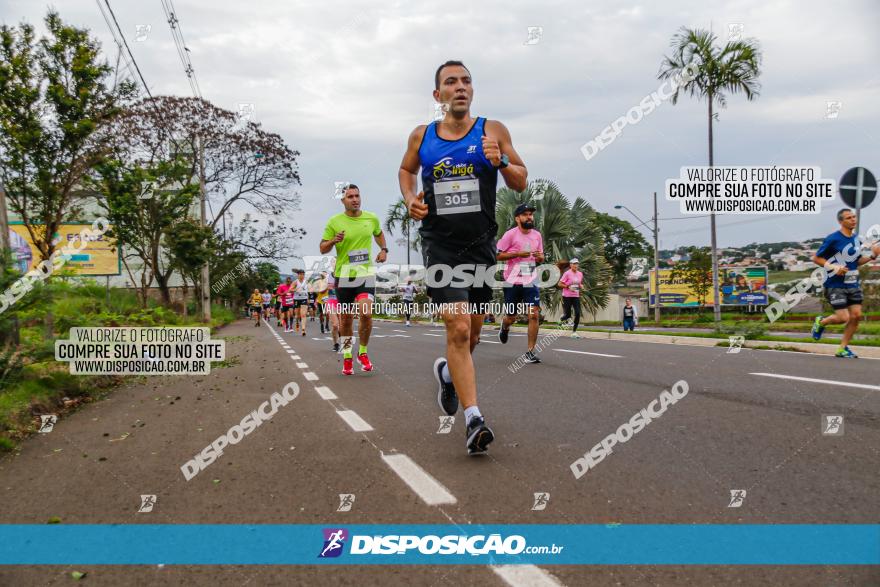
[276,544]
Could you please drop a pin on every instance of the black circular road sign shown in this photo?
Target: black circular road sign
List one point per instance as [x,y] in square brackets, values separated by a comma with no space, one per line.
[858,187]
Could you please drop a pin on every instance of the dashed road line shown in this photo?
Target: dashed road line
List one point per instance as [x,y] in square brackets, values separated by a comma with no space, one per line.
[525,576]
[354,421]
[431,491]
[586,353]
[325,392]
[310,376]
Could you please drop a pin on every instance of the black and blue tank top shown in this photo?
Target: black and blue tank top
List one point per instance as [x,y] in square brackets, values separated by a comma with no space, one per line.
[459,185]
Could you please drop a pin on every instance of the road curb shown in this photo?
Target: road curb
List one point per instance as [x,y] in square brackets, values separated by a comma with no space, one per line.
[805,347]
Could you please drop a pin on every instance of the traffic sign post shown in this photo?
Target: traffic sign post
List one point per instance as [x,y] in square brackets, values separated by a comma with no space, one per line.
[858,188]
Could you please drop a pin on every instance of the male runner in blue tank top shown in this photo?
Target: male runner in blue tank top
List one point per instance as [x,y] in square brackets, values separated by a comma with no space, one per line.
[459,158]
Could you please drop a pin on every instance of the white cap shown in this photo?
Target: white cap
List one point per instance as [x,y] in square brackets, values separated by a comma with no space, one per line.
[575,260]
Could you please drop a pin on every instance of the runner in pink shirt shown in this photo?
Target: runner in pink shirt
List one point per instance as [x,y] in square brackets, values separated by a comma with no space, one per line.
[523,248]
[570,283]
[283,309]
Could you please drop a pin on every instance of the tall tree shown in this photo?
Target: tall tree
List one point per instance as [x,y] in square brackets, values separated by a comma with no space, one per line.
[621,242]
[733,68]
[246,167]
[144,203]
[696,272]
[55,100]
[190,245]
[398,216]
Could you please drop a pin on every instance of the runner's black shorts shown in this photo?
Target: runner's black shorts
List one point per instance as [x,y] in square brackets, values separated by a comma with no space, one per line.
[517,296]
[841,298]
[359,289]
[286,308]
[481,255]
[298,303]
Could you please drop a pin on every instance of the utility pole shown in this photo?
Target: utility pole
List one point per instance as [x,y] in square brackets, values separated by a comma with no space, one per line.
[656,263]
[4,221]
[716,306]
[6,249]
[206,274]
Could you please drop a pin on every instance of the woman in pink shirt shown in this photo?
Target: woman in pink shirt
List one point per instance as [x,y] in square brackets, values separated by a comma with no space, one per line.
[570,284]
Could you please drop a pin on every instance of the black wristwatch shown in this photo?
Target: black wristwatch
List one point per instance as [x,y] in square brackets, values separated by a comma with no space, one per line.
[505,161]
[383,249]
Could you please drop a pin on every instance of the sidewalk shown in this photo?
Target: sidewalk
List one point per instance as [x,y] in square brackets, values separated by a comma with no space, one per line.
[650,326]
[613,333]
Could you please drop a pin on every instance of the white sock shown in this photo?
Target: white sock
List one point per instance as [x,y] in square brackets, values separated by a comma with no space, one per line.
[470,413]
[444,373]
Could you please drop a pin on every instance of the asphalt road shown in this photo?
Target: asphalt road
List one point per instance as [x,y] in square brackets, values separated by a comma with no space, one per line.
[375,435]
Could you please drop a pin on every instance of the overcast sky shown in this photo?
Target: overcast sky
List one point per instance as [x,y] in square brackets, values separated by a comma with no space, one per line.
[345,82]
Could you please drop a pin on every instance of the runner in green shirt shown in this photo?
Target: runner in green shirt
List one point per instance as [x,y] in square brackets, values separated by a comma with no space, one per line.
[352,233]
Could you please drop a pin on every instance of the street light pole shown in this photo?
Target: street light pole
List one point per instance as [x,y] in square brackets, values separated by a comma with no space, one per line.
[656,265]
[206,274]
[656,230]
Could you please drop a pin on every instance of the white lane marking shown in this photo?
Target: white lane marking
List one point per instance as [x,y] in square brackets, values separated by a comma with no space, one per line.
[429,334]
[310,376]
[420,481]
[295,357]
[525,576]
[401,331]
[302,365]
[325,392]
[492,341]
[586,353]
[354,421]
[823,381]
[291,352]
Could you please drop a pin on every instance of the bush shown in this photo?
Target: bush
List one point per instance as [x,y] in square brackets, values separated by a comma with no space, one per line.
[749,331]
[11,365]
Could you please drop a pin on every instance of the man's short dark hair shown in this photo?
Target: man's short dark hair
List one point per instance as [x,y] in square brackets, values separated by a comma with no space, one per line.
[352,186]
[439,69]
[298,271]
[841,212]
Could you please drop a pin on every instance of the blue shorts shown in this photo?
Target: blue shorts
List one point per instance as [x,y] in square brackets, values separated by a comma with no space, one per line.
[520,294]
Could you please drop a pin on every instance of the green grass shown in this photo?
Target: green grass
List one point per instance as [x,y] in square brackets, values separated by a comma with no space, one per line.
[40,385]
[783,276]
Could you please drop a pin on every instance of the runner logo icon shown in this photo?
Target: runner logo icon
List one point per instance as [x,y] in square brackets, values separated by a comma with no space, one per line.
[334,542]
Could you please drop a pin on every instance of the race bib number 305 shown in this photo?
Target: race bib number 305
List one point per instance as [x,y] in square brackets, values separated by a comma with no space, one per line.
[457,196]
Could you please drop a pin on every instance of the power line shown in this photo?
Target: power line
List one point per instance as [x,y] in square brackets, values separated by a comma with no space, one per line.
[120,54]
[760,219]
[124,42]
[180,44]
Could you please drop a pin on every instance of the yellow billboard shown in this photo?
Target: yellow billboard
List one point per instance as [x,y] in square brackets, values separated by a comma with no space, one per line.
[739,286]
[99,257]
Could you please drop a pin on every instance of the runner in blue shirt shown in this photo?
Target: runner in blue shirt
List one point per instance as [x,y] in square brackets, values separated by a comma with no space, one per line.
[840,255]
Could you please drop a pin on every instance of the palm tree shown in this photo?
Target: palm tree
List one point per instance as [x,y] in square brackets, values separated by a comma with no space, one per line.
[398,216]
[733,68]
[568,230]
